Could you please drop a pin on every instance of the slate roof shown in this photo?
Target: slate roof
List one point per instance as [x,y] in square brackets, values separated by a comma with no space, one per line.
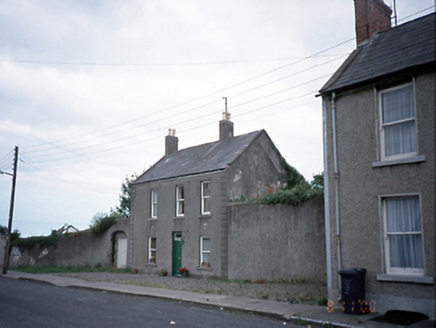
[401,48]
[200,159]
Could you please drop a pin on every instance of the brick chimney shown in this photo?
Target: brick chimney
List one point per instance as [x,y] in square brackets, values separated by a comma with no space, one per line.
[226,127]
[171,142]
[371,16]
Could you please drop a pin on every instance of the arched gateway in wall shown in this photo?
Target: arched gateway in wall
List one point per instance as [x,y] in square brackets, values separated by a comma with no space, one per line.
[119,249]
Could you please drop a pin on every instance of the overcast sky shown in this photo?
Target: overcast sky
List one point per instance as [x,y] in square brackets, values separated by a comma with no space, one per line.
[89,89]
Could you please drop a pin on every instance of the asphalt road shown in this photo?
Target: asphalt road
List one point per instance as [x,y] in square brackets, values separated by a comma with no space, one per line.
[34,304]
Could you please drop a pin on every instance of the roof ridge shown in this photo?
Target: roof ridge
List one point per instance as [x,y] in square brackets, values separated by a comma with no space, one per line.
[207,157]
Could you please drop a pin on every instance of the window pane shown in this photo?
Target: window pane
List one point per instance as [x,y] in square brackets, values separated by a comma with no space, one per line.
[206,258]
[400,138]
[181,193]
[206,244]
[206,205]
[153,243]
[398,104]
[152,256]
[206,190]
[406,251]
[403,214]
[181,207]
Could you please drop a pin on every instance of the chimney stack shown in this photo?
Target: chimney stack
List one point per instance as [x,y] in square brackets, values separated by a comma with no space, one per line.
[371,16]
[226,127]
[171,142]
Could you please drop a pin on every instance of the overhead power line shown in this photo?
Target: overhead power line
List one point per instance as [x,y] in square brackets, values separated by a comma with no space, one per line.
[62,148]
[200,63]
[218,92]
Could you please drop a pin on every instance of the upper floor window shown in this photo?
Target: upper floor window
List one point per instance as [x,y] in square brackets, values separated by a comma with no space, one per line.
[153,203]
[398,122]
[180,201]
[205,197]
[404,251]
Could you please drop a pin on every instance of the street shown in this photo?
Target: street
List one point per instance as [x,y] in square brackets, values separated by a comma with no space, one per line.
[34,304]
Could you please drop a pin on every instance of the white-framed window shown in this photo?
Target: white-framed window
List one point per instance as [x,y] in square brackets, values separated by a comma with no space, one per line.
[152,250]
[398,137]
[180,201]
[205,197]
[403,236]
[153,203]
[204,252]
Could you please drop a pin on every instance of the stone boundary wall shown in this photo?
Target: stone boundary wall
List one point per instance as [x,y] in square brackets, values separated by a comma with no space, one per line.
[76,249]
[277,242]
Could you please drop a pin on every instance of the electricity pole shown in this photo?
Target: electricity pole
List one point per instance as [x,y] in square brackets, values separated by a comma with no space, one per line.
[11,212]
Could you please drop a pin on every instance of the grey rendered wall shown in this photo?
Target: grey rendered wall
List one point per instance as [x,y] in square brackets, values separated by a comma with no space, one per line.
[361,185]
[257,171]
[78,249]
[277,242]
[193,225]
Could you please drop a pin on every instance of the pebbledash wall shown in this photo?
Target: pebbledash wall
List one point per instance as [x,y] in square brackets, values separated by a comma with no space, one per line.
[277,242]
[77,249]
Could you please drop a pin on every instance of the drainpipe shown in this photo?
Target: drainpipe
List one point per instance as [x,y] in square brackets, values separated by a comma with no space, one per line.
[336,174]
[327,198]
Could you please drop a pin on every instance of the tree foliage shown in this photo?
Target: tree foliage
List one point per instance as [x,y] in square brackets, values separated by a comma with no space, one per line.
[296,195]
[298,189]
[14,234]
[101,222]
[293,177]
[125,197]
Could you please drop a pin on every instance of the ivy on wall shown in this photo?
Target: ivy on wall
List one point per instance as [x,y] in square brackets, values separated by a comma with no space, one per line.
[298,190]
[43,241]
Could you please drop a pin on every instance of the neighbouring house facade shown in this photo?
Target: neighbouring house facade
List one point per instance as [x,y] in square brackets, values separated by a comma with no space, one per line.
[180,205]
[379,161]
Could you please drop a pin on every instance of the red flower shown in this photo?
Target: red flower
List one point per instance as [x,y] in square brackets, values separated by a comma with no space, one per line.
[181,270]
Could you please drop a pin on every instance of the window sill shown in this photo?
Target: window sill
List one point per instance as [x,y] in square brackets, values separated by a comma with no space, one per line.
[178,218]
[204,269]
[409,160]
[152,219]
[151,264]
[204,216]
[426,280]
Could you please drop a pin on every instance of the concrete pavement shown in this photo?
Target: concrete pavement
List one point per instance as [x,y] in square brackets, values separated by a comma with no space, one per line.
[308,315]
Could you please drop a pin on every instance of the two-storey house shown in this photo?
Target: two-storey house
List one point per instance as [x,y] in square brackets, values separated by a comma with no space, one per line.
[179,206]
[379,161]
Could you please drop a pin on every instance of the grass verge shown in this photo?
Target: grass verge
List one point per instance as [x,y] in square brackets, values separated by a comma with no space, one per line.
[67,269]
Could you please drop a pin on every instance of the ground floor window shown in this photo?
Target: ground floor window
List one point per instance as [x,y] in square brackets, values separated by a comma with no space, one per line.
[152,250]
[404,251]
[205,252]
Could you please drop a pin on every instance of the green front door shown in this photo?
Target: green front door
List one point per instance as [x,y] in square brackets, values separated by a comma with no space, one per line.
[177,252]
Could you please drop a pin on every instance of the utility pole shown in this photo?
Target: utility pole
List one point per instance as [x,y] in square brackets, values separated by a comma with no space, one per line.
[11,212]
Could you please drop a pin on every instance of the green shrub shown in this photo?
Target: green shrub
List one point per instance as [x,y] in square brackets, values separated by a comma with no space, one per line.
[101,222]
